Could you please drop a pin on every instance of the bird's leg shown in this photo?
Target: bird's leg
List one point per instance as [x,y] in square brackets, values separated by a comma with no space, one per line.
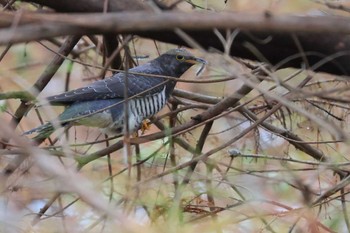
[145,125]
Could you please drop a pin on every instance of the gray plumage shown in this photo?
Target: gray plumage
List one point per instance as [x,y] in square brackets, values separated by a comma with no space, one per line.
[100,104]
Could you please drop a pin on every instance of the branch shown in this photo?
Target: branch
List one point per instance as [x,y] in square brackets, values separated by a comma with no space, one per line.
[292,138]
[82,161]
[47,74]
[128,22]
[200,119]
[262,37]
[91,5]
[39,85]
[22,95]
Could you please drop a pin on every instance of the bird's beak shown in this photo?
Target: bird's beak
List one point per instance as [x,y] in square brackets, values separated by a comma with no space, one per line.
[196,60]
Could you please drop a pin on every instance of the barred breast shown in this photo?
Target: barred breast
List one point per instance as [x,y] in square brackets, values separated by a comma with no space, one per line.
[140,109]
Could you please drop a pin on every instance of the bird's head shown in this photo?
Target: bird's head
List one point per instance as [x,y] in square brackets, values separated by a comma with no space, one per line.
[175,62]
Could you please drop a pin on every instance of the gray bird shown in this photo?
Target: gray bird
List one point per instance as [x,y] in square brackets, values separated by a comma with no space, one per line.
[100,104]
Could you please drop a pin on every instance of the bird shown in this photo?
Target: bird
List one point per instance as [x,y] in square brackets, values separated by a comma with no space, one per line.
[101,103]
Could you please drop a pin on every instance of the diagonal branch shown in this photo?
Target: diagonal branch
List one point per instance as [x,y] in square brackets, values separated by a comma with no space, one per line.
[39,85]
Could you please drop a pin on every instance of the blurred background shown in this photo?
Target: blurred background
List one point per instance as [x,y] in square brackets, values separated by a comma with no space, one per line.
[259,183]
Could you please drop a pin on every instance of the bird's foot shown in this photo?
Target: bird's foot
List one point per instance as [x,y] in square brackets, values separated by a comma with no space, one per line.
[146,125]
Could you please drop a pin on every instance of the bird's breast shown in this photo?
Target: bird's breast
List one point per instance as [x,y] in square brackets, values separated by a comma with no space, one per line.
[140,109]
[147,106]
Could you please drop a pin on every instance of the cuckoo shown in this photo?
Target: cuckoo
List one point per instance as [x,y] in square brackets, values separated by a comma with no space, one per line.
[101,103]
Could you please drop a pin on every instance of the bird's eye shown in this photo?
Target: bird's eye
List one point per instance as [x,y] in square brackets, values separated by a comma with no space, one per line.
[180,58]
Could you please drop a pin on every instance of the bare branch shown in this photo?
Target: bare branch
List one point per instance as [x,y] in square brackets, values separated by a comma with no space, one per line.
[266,34]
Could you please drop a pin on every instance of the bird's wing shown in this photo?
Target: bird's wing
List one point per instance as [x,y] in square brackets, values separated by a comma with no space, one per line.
[113,87]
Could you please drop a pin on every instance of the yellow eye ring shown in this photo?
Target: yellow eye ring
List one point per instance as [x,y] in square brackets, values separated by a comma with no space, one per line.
[180,58]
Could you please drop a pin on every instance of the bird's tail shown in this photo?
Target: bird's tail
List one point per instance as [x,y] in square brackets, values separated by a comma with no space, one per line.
[44,131]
